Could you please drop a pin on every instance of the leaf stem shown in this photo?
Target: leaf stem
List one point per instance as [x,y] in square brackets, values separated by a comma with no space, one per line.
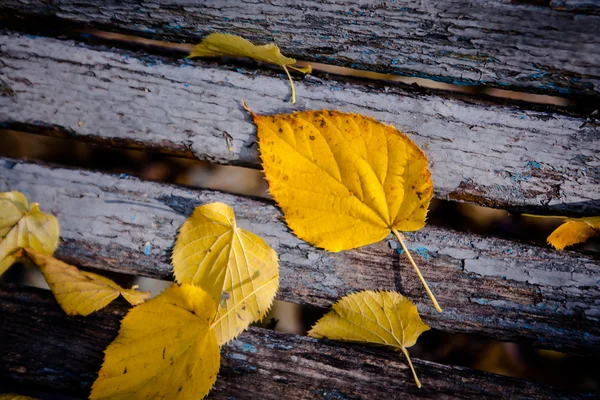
[411,366]
[291,83]
[431,296]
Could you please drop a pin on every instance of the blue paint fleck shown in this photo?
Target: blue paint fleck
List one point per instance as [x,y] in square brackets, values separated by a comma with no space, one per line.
[245,347]
[132,218]
[423,252]
[237,356]
[147,248]
[186,84]
[123,176]
[509,251]
[481,301]
[533,164]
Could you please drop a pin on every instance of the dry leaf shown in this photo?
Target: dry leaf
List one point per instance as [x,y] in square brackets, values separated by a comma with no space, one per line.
[225,45]
[344,180]
[14,396]
[383,318]
[237,268]
[165,349]
[78,292]
[573,231]
[22,227]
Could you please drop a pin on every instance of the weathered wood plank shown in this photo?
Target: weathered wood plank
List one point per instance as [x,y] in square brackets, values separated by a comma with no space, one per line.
[44,349]
[468,42]
[503,156]
[487,286]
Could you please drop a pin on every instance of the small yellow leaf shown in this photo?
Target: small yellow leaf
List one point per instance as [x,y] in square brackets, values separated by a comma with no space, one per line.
[344,180]
[383,318]
[165,349]
[225,45]
[237,268]
[21,227]
[573,231]
[79,292]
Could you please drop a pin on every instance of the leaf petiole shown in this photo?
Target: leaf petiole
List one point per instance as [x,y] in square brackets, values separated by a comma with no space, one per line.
[411,366]
[431,296]
[291,83]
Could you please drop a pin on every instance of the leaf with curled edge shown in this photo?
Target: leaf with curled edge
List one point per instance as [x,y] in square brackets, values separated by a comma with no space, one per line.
[23,226]
[383,318]
[226,45]
[165,349]
[79,292]
[236,267]
[573,231]
[344,180]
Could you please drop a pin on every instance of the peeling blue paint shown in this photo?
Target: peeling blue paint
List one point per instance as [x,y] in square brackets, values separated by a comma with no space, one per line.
[147,248]
[533,164]
[245,347]
[423,252]
[237,356]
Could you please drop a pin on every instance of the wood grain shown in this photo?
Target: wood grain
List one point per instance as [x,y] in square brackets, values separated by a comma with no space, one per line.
[487,286]
[501,156]
[517,45]
[43,349]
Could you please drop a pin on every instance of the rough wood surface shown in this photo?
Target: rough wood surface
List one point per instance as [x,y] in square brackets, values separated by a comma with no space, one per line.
[45,350]
[501,43]
[487,286]
[503,156]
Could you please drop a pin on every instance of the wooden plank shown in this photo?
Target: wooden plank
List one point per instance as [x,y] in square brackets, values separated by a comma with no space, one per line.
[503,43]
[502,156]
[487,286]
[44,349]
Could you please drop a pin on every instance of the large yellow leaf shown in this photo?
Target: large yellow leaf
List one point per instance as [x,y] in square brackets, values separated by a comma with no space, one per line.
[344,180]
[383,318]
[237,268]
[165,349]
[79,292]
[573,231]
[21,227]
[225,45]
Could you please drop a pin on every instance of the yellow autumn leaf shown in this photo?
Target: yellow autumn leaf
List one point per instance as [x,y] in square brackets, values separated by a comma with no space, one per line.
[79,292]
[344,180]
[14,396]
[236,267]
[165,349]
[226,45]
[382,318]
[23,226]
[573,231]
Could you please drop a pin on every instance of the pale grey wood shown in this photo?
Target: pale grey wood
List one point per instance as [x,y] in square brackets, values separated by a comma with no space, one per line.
[501,43]
[502,156]
[488,286]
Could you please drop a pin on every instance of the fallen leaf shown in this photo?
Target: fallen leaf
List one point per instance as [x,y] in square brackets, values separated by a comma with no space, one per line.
[79,292]
[165,349]
[383,318]
[573,231]
[23,226]
[225,45]
[237,268]
[14,396]
[344,180]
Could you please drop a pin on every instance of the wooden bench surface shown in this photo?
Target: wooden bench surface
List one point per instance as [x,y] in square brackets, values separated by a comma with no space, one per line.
[488,286]
[550,48]
[542,159]
[63,353]
[502,156]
